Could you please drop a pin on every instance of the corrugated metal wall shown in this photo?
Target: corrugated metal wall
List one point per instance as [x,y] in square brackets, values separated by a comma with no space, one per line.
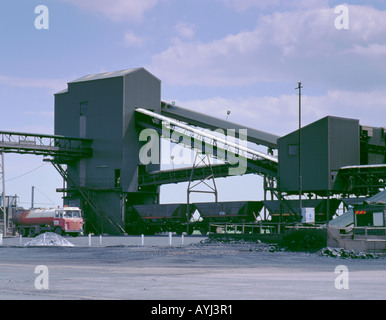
[326,145]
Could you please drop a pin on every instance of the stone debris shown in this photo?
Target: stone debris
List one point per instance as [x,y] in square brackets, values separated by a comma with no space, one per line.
[346,254]
[291,246]
[244,245]
[49,239]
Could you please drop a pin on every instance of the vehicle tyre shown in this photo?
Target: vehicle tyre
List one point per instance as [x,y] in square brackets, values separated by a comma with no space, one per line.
[33,232]
[179,230]
[58,230]
[23,231]
[189,230]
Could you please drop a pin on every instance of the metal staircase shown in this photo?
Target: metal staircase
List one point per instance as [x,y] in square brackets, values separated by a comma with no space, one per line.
[99,213]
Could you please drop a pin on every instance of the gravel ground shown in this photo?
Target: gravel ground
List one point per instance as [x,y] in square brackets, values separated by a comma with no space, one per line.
[199,270]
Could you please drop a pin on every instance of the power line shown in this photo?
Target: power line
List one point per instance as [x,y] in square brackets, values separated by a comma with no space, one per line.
[28,172]
[40,203]
[52,202]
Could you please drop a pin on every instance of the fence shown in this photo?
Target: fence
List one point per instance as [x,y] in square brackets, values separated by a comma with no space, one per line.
[244,228]
[111,241]
[369,231]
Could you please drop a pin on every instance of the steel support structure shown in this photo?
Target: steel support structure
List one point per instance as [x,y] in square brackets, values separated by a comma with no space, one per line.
[200,140]
[101,214]
[218,146]
[200,160]
[365,180]
[61,150]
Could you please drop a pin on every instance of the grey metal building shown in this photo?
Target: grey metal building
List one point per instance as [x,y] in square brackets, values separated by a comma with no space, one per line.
[101,107]
[326,145]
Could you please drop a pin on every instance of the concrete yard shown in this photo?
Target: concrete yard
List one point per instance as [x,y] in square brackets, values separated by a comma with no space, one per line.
[198,270]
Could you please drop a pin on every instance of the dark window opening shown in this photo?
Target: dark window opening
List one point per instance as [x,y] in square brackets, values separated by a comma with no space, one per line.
[83,108]
[117,177]
[292,149]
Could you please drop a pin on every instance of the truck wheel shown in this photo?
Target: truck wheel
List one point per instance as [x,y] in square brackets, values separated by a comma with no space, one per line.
[189,230]
[32,232]
[23,232]
[58,230]
[179,230]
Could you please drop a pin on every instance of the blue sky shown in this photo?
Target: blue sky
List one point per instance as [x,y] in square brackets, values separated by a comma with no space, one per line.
[214,55]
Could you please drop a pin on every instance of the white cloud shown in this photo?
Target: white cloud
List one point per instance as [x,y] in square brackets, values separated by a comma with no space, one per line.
[185,30]
[243,5]
[51,84]
[190,63]
[130,39]
[116,10]
[285,46]
[374,50]
[279,115]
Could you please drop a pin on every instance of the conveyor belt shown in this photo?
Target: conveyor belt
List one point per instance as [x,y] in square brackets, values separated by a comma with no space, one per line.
[219,142]
[204,121]
[256,162]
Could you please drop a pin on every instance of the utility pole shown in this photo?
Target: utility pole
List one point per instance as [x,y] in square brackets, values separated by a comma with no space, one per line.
[299,87]
[3,206]
[32,197]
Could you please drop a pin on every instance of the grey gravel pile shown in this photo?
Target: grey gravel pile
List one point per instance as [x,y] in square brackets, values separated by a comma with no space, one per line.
[49,239]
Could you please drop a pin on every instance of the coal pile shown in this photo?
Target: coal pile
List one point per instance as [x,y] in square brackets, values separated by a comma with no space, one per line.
[346,254]
[302,241]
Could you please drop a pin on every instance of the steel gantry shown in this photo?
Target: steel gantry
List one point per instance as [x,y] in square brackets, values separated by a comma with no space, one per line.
[61,150]
[60,147]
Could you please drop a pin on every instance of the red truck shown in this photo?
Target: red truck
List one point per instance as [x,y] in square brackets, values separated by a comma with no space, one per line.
[67,220]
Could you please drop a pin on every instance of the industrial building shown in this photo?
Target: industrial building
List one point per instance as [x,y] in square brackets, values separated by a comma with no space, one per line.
[102,108]
[326,146]
[97,144]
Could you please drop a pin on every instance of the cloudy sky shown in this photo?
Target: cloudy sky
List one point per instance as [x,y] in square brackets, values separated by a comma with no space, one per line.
[246,56]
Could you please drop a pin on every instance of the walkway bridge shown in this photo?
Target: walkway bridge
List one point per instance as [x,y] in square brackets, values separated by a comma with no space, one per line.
[63,149]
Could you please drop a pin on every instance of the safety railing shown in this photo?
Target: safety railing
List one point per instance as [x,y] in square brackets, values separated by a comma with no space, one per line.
[369,231]
[41,144]
[243,228]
